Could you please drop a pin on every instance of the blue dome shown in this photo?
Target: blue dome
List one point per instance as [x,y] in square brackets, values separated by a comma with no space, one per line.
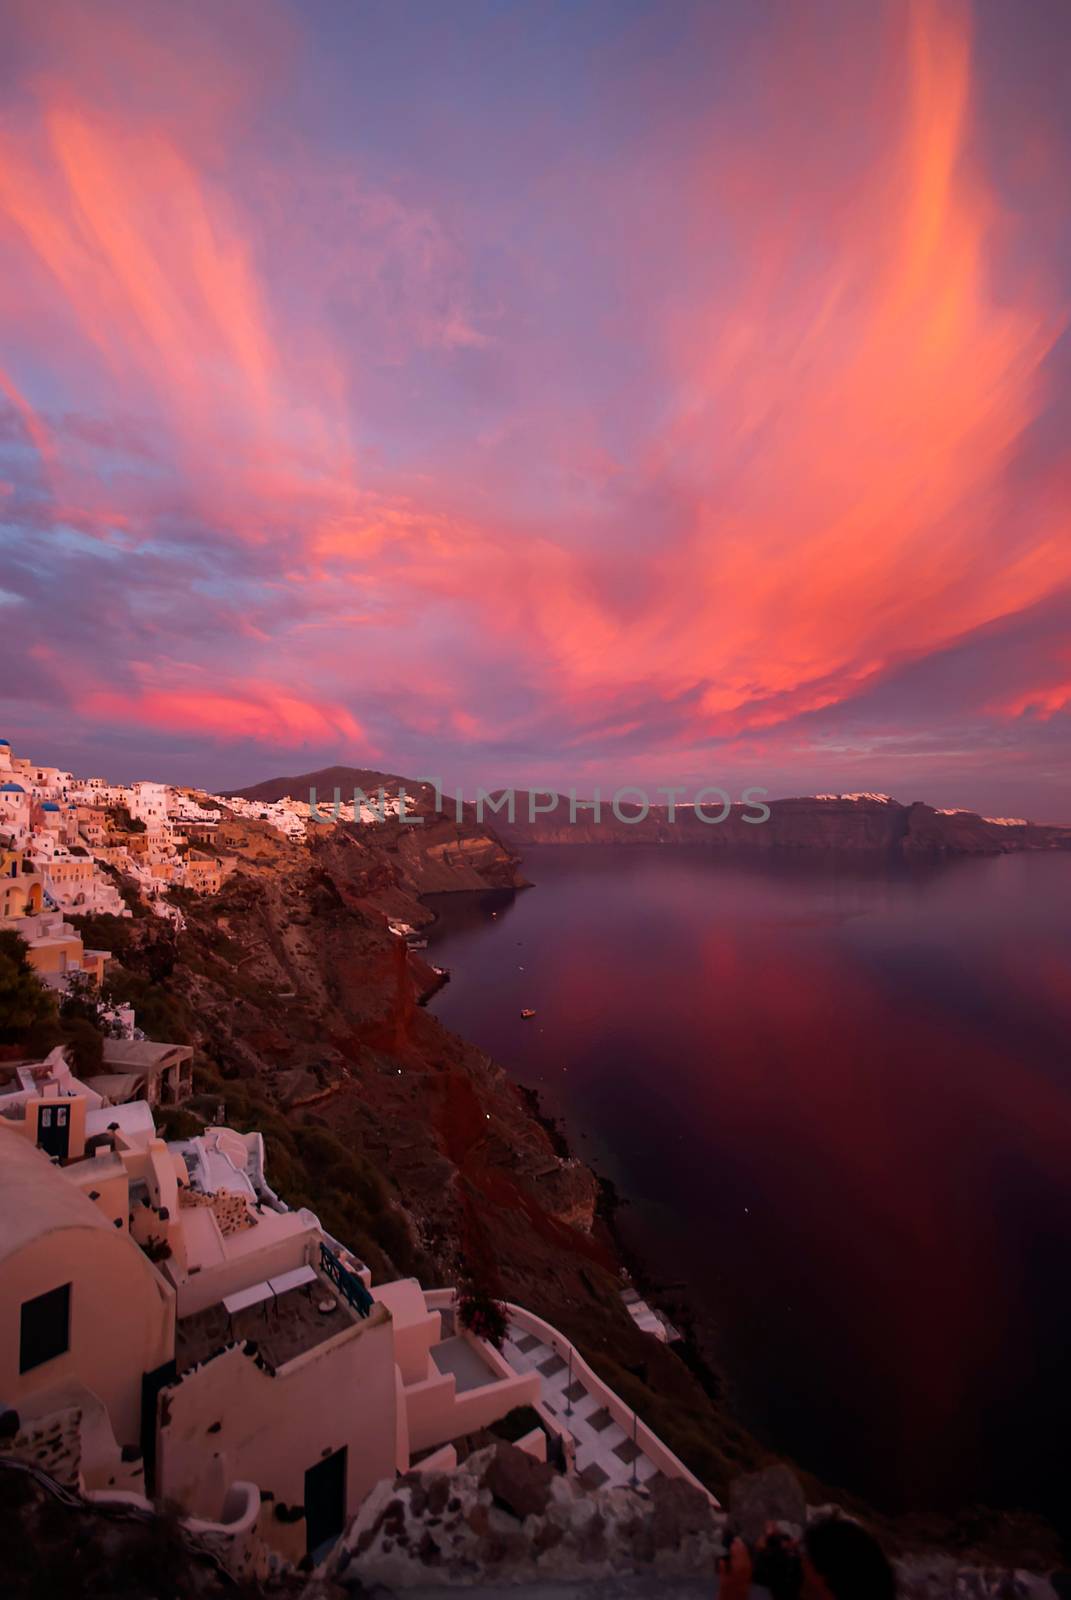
[6,743]
[50,805]
[11,788]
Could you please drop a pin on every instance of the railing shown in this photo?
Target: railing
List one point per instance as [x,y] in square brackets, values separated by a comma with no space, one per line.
[347,1283]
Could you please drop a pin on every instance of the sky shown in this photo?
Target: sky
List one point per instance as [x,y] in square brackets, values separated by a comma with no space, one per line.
[541,393]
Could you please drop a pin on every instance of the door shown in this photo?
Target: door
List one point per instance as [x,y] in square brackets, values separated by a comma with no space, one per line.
[325,1503]
[151,1385]
[53,1130]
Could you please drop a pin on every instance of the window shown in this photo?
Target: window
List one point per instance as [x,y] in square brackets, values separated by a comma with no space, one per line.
[45,1328]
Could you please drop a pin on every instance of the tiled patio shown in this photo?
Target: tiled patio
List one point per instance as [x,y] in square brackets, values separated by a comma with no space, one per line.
[605,1452]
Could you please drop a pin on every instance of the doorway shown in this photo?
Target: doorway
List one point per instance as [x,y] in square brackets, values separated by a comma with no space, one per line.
[53,1130]
[325,1503]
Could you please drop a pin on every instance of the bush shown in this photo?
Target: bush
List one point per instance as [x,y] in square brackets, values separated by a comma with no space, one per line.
[516,1424]
[482,1314]
[176,1122]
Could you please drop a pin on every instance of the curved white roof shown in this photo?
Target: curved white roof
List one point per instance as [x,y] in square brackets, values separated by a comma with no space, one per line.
[36,1199]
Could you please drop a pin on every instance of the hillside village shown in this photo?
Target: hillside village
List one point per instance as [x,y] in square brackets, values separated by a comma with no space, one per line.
[173,1330]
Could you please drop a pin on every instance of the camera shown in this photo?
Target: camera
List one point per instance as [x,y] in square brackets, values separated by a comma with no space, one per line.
[775,1564]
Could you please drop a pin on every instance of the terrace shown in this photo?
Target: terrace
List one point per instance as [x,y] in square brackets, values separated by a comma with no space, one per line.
[284,1319]
[466,1360]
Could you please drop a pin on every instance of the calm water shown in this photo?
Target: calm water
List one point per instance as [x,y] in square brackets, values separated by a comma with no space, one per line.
[839,1101]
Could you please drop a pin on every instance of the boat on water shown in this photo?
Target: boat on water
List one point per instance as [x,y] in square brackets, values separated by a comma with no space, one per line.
[527,1014]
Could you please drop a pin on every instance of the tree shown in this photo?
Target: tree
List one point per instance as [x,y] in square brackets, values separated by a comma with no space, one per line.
[81,1000]
[83,1046]
[85,1001]
[25,1003]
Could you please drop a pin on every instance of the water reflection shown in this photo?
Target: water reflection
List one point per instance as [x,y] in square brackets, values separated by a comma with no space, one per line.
[839,1097]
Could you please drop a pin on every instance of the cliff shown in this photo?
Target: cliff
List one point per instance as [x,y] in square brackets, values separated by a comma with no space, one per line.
[874,823]
[843,823]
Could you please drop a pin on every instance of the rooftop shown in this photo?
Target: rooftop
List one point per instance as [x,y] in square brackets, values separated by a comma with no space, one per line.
[144,1055]
[281,1326]
[207,1246]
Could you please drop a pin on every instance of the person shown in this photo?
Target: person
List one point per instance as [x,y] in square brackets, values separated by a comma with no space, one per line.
[838,1560]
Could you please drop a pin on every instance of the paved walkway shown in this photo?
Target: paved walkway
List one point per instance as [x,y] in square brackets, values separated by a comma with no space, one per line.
[605,1452]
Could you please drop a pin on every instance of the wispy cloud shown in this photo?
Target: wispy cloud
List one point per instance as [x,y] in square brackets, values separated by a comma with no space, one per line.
[694,437]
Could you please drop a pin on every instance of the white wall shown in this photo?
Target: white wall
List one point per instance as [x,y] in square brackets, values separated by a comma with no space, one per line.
[122,1321]
[272,1429]
[436,1413]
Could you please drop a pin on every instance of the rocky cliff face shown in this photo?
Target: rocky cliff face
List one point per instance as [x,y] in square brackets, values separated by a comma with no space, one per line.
[503,1519]
[866,823]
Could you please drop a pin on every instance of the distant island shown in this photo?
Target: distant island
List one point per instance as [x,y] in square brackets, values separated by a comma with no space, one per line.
[845,822]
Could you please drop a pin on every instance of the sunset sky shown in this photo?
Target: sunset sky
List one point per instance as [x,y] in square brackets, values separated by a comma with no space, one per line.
[540,393]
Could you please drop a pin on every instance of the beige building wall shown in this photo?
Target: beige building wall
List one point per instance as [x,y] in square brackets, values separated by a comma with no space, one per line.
[271,1429]
[436,1412]
[122,1313]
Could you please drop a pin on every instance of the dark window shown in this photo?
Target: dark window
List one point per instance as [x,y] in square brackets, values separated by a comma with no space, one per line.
[45,1330]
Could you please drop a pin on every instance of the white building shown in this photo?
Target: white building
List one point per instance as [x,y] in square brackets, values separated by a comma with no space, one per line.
[165,1293]
[14,810]
[148,803]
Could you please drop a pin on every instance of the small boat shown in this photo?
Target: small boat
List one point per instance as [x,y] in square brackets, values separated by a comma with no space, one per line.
[527,1014]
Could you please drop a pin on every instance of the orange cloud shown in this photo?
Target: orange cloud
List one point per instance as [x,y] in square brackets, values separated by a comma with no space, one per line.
[848,407]
[852,406]
[244,710]
[845,361]
[35,428]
